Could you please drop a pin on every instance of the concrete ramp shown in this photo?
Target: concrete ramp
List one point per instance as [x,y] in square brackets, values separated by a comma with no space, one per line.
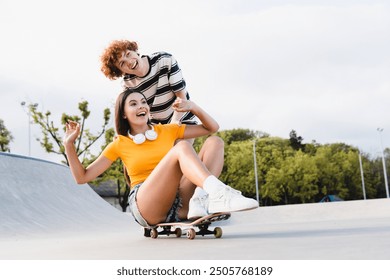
[40,198]
[45,215]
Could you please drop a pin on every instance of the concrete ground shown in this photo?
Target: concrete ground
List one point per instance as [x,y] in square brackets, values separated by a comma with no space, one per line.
[44,215]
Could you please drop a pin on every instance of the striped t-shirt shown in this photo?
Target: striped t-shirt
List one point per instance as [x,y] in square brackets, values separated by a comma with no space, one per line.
[159,86]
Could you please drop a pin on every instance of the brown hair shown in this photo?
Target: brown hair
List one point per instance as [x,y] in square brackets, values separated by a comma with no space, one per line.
[111,55]
[122,125]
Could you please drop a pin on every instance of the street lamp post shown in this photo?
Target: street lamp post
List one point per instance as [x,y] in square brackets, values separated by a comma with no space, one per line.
[362,175]
[255,167]
[380,130]
[23,104]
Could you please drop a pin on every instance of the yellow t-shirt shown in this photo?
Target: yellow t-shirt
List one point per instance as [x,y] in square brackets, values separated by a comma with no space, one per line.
[140,160]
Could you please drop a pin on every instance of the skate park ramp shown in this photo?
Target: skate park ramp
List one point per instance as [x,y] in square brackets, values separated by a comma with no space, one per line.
[45,215]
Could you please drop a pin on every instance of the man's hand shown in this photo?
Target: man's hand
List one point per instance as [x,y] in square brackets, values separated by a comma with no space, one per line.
[182,105]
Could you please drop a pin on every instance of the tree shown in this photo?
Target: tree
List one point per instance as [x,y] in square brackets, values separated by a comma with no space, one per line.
[114,173]
[52,143]
[339,171]
[296,141]
[288,174]
[239,134]
[52,140]
[271,153]
[238,168]
[5,137]
[377,170]
[299,175]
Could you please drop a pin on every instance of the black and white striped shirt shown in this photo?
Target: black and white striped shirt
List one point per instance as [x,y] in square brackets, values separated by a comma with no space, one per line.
[159,86]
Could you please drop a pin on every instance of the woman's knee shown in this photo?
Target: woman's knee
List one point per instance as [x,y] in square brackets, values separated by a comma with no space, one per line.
[214,142]
[183,145]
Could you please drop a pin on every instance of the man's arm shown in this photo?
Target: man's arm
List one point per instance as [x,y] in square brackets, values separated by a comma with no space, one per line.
[177,116]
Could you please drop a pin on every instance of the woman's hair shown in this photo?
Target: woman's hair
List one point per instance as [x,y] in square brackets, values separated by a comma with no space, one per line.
[126,174]
[122,126]
[111,55]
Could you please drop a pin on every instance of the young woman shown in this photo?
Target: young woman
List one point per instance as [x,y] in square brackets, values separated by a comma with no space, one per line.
[154,163]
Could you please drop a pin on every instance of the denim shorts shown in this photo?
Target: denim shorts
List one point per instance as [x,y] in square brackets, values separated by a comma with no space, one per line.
[172,215]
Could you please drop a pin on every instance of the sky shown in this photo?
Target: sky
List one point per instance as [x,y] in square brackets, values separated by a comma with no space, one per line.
[321,68]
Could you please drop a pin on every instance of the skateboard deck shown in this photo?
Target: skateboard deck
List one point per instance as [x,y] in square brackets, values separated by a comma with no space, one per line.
[176,228]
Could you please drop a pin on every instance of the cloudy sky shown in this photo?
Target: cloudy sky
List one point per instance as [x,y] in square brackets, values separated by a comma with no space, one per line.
[321,67]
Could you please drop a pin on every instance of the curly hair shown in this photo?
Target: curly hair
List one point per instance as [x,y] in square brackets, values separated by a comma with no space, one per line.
[111,55]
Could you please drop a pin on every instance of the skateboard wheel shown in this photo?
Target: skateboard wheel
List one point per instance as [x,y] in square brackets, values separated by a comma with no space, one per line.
[178,232]
[218,232]
[147,232]
[153,233]
[191,233]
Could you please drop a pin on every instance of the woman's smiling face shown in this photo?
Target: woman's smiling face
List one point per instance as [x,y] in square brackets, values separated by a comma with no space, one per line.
[136,109]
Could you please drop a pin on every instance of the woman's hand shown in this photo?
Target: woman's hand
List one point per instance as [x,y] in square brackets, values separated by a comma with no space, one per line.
[81,174]
[72,131]
[182,105]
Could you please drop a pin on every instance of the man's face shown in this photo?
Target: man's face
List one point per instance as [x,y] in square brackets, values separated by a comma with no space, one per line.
[130,62]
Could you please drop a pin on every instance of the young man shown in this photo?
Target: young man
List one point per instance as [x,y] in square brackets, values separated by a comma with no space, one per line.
[159,77]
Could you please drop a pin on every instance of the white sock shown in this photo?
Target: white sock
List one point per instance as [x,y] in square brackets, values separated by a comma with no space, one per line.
[199,192]
[212,184]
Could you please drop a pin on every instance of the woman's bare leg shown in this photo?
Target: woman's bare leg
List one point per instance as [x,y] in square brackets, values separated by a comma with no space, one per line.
[158,192]
[212,156]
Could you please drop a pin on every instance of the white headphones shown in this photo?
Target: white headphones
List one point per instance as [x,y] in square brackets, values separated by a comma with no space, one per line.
[140,138]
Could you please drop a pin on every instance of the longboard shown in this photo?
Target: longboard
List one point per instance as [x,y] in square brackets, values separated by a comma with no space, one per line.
[202,224]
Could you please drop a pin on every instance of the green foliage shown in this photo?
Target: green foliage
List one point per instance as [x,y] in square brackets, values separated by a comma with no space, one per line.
[300,175]
[271,152]
[296,141]
[238,170]
[5,137]
[51,140]
[289,171]
[239,135]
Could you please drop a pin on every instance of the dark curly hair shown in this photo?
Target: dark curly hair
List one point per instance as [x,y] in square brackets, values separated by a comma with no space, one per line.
[111,55]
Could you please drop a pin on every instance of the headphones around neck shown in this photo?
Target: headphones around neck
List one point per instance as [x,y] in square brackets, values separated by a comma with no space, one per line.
[140,138]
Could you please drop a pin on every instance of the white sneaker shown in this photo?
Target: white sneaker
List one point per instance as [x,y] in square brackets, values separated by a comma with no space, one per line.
[230,200]
[198,206]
